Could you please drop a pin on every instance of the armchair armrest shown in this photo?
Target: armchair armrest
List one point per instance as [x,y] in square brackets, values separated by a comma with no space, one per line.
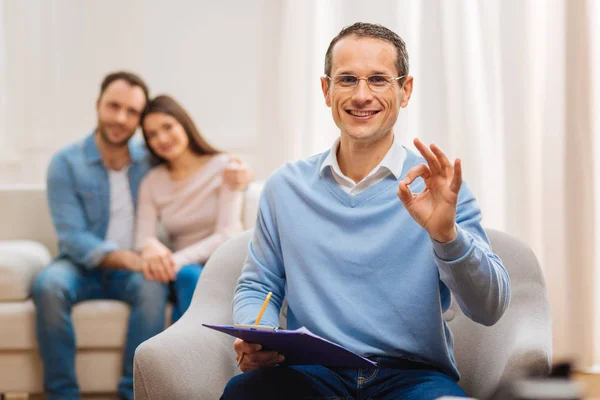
[528,358]
[188,360]
[20,262]
[531,348]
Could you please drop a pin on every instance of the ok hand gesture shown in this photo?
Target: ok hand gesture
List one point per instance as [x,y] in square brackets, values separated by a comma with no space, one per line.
[435,207]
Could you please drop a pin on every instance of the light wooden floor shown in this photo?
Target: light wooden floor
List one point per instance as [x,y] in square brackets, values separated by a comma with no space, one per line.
[591,382]
[87,397]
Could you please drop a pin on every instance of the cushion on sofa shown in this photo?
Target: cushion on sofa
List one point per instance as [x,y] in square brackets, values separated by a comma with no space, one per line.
[20,262]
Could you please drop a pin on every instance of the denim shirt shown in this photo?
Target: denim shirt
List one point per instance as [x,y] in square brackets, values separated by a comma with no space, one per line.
[78,191]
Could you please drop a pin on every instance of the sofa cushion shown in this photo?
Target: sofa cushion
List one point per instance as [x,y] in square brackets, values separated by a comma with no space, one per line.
[99,324]
[98,371]
[20,262]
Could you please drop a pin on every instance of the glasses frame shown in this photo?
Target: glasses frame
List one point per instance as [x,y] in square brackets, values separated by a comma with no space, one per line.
[366,79]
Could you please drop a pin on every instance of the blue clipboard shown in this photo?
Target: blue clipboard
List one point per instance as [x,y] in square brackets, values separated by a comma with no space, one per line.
[300,346]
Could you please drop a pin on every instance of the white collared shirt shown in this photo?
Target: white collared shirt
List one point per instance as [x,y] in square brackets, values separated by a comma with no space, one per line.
[392,163]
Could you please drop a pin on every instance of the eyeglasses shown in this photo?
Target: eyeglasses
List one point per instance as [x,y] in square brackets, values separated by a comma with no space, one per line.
[377,83]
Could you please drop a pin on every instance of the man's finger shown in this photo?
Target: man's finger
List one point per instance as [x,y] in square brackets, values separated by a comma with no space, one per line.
[457,179]
[248,348]
[426,152]
[262,358]
[421,170]
[404,193]
[444,162]
[248,365]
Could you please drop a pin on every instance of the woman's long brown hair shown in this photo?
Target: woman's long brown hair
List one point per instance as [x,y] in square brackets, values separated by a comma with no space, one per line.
[167,105]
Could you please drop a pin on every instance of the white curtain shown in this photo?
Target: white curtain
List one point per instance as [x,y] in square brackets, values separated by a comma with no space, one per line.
[513,88]
[594,33]
[4,154]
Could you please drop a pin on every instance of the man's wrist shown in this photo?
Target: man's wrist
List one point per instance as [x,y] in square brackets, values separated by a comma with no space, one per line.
[123,259]
[109,259]
[445,237]
[455,249]
[134,261]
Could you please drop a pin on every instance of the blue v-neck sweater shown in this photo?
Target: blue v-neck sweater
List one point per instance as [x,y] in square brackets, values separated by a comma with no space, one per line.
[360,272]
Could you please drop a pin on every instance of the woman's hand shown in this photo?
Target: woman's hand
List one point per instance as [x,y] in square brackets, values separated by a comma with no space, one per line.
[237,175]
[159,264]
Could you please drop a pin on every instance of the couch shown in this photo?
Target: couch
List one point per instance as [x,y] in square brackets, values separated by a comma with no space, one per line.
[188,361]
[27,244]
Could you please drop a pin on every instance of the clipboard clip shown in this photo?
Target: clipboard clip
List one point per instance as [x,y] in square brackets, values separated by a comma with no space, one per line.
[256,327]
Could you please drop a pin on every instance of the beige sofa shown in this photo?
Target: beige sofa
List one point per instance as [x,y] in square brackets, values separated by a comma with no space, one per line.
[27,244]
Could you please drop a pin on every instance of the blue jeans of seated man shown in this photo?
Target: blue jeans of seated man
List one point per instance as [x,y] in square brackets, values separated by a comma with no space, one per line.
[183,287]
[393,379]
[61,285]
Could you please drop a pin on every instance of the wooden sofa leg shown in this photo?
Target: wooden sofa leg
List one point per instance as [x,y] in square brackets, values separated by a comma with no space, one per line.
[16,396]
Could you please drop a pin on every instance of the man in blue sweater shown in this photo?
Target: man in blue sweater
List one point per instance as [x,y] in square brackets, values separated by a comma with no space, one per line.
[367,241]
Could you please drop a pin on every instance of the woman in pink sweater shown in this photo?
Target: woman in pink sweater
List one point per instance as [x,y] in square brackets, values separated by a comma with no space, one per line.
[184,193]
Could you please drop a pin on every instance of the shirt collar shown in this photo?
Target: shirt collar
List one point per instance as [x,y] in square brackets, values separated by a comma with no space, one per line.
[393,159]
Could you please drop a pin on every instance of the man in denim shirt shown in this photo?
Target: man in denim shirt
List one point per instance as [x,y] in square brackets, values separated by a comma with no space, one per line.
[95,234]
[92,188]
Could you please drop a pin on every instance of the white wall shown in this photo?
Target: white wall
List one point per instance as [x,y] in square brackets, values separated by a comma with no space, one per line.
[209,55]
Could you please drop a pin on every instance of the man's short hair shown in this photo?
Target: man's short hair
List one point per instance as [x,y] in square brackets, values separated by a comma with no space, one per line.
[376,31]
[129,77]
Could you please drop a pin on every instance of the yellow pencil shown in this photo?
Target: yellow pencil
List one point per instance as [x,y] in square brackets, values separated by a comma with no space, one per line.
[263,308]
[260,314]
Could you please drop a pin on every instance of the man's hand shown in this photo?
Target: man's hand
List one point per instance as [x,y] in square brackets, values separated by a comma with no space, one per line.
[237,175]
[250,356]
[159,264]
[435,207]
[123,259]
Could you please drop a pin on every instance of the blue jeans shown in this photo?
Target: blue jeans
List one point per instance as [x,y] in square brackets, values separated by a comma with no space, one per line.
[394,379]
[61,285]
[184,286]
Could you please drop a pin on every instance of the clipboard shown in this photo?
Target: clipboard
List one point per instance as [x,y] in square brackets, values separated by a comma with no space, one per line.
[300,346]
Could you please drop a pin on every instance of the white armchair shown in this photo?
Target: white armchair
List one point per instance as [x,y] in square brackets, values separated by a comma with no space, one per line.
[188,361]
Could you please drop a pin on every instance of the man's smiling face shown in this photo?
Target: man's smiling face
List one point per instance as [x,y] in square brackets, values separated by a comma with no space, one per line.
[360,113]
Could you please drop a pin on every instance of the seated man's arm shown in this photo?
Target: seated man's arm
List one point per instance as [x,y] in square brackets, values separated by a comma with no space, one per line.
[469,267]
[263,270]
[447,210]
[262,273]
[75,241]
